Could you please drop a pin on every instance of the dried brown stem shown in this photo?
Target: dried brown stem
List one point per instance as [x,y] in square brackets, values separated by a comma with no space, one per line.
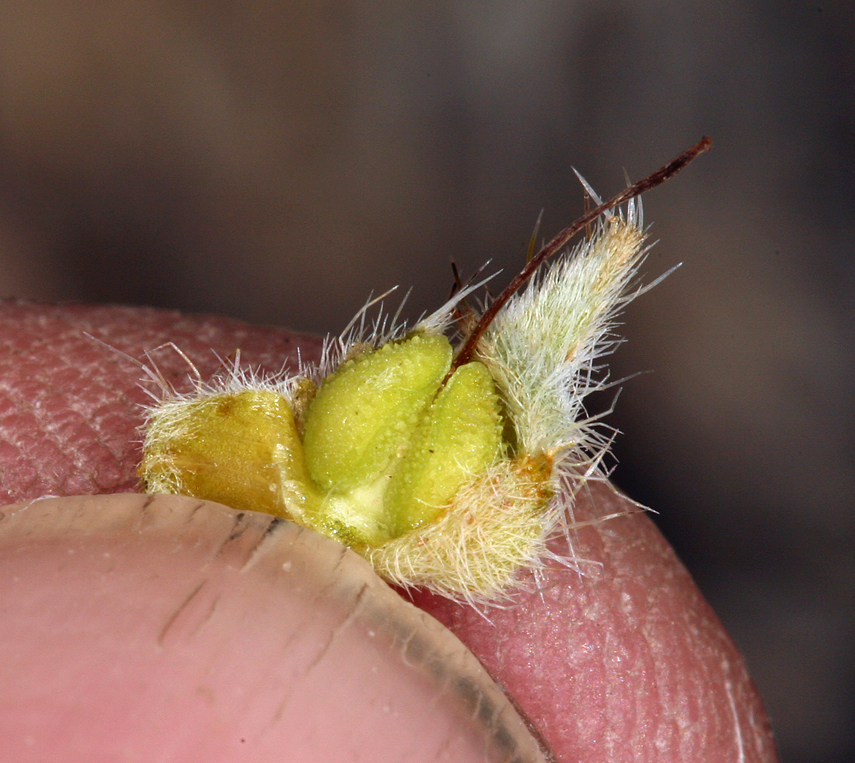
[636,189]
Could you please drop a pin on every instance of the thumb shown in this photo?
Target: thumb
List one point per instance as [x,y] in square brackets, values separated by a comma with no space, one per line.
[625,662]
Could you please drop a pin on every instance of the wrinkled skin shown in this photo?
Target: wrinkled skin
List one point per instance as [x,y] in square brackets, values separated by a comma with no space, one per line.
[626,662]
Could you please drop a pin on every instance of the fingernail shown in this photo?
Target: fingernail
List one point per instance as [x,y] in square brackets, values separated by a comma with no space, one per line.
[167,628]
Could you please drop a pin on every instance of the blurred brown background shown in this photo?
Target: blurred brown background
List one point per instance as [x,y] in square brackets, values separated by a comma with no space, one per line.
[278,161]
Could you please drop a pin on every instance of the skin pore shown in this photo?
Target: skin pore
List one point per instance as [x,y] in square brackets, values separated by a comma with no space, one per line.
[624,662]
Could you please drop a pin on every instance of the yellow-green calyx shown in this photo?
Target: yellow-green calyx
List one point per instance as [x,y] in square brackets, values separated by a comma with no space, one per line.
[437,464]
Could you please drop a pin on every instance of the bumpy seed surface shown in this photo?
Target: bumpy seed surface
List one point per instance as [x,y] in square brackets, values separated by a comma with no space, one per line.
[458,438]
[365,413]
